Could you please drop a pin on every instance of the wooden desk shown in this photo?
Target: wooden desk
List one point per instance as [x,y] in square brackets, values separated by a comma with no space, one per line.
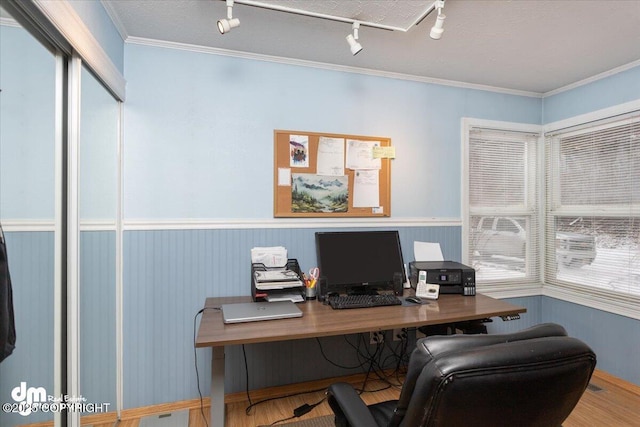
[320,320]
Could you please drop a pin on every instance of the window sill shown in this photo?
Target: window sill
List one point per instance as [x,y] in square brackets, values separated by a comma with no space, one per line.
[510,291]
[621,304]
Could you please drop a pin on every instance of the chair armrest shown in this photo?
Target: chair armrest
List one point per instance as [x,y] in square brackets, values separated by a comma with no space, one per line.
[346,402]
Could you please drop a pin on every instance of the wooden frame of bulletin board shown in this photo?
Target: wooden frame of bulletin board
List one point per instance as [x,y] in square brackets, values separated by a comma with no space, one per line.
[296,169]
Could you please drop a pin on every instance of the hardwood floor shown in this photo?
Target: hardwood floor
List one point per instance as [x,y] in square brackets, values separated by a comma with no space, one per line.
[608,401]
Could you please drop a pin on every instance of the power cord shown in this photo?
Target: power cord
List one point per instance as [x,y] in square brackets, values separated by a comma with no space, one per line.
[246,377]
[334,363]
[254,404]
[375,365]
[378,365]
[299,411]
[268,399]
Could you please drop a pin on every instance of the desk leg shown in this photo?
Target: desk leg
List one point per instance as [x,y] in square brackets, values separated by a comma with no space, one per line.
[217,387]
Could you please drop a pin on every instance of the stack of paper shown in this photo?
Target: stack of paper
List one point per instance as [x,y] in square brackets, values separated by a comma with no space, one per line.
[427,251]
[288,296]
[274,256]
[276,279]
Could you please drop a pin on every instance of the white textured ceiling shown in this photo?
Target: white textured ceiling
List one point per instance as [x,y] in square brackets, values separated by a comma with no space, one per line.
[521,45]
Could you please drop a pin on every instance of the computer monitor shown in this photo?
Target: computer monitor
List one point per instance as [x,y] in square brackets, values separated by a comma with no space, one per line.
[360,261]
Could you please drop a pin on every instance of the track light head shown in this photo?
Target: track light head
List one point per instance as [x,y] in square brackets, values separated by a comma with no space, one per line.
[352,39]
[353,45]
[437,29]
[225,25]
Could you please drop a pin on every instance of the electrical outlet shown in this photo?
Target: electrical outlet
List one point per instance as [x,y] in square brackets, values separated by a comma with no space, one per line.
[376,338]
[400,334]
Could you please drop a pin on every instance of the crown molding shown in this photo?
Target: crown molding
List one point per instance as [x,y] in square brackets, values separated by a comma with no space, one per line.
[324,66]
[371,72]
[115,18]
[592,79]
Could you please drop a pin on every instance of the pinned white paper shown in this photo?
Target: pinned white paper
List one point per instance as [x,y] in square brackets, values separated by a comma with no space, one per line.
[284,177]
[366,189]
[360,155]
[330,156]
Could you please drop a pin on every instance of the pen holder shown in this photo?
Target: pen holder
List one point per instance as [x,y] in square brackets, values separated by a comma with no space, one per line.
[311,293]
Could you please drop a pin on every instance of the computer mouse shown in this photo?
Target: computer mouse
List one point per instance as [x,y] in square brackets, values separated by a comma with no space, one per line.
[414,299]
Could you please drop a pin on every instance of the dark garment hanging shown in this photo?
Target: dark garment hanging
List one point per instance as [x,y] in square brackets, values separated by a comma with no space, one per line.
[7,322]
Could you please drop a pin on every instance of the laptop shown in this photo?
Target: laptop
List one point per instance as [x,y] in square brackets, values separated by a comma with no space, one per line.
[254,311]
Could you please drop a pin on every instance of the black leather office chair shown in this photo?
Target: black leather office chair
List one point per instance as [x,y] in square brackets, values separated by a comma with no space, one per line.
[534,377]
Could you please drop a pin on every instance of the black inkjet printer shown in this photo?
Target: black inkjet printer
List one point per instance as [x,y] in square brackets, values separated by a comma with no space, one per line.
[453,277]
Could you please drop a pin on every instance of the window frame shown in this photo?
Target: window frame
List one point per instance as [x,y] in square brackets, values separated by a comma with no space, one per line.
[614,302]
[497,290]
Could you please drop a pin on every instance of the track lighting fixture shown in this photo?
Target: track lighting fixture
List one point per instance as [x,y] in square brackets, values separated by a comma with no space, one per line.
[225,25]
[352,39]
[437,29]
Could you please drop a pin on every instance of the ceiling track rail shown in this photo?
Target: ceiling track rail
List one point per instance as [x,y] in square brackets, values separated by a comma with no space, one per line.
[286,9]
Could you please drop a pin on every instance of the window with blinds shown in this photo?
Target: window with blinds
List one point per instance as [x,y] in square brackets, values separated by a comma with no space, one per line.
[502,223]
[593,206]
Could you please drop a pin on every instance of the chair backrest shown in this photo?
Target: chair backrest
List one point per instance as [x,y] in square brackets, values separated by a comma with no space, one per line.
[533,377]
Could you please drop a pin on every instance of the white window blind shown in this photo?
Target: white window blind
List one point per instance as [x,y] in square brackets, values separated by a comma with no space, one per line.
[503,218]
[593,206]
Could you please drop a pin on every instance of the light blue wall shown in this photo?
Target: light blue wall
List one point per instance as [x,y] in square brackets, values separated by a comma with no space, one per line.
[98,316]
[607,92]
[533,316]
[199,131]
[27,102]
[95,17]
[615,339]
[98,151]
[199,144]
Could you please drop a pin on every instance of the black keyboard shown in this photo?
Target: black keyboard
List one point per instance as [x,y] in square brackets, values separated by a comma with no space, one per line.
[362,301]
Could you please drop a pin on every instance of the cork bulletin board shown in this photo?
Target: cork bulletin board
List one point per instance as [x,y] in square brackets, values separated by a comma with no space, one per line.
[331,175]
